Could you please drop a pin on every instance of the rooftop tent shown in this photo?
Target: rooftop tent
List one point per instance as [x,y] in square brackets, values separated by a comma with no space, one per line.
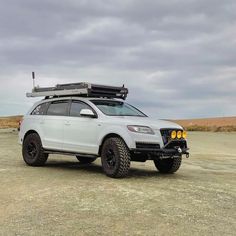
[80,89]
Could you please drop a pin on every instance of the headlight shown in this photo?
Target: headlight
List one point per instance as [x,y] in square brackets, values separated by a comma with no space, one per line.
[173,134]
[184,134]
[140,129]
[179,134]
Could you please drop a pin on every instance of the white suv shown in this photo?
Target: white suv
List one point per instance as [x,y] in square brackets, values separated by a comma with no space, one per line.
[89,128]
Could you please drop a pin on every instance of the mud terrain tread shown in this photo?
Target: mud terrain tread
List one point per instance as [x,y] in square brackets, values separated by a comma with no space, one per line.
[168,166]
[123,160]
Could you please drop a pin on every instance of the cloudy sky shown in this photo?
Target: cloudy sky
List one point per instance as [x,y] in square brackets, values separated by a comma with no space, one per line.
[177,57]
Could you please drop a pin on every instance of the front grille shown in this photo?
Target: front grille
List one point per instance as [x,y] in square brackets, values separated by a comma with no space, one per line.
[165,133]
[140,145]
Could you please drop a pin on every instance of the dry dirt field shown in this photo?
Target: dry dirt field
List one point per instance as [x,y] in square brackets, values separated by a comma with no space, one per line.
[66,198]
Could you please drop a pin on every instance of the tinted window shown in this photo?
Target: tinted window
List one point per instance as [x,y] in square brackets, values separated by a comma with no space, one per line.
[76,108]
[58,108]
[40,109]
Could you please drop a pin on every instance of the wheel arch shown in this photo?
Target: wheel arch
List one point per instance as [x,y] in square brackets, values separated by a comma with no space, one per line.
[110,135]
[30,132]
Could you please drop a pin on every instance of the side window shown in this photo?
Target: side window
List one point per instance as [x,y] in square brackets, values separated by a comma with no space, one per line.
[58,108]
[77,106]
[40,109]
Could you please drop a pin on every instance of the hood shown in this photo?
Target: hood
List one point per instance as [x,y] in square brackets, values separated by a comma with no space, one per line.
[146,121]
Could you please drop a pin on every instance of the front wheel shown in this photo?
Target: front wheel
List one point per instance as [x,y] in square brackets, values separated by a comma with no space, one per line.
[115,158]
[169,165]
[32,151]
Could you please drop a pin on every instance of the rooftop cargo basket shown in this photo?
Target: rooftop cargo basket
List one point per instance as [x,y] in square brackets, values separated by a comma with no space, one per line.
[80,89]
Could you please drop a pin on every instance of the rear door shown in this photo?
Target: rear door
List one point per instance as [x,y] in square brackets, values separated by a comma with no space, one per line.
[81,133]
[53,124]
[34,121]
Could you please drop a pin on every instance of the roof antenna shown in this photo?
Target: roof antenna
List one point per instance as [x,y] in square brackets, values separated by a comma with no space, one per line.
[33,77]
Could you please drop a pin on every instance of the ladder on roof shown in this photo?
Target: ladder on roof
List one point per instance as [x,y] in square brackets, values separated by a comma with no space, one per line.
[82,89]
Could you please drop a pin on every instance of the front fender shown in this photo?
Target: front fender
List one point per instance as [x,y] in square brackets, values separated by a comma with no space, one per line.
[120,131]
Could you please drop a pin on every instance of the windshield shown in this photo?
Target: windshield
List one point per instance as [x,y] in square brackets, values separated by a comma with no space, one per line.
[117,108]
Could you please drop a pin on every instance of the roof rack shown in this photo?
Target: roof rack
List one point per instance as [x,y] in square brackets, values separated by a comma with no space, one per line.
[80,89]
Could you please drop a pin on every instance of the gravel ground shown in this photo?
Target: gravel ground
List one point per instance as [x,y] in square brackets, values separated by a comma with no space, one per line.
[66,198]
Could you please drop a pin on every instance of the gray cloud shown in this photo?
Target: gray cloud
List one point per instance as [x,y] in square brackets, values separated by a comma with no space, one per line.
[177,57]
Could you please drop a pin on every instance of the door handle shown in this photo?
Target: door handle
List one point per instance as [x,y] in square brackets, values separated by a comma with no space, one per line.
[41,122]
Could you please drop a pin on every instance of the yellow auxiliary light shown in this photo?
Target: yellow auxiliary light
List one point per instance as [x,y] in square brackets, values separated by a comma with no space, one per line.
[184,134]
[179,134]
[173,134]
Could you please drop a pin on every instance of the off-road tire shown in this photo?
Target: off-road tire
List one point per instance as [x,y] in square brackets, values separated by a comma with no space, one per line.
[32,151]
[169,165]
[85,160]
[118,165]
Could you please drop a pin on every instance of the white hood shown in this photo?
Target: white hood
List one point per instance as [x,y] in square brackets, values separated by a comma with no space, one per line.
[145,121]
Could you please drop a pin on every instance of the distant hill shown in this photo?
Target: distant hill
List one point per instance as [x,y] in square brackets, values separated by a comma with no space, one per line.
[209,124]
[10,122]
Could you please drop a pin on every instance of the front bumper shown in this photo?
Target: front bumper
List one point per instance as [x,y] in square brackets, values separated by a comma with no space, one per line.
[162,151]
[171,149]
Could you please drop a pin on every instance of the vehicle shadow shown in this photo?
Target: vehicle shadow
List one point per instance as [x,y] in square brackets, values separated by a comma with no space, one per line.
[74,166]
[97,169]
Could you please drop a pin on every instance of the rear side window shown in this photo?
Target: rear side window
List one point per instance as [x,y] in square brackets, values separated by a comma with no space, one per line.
[58,108]
[77,106]
[40,109]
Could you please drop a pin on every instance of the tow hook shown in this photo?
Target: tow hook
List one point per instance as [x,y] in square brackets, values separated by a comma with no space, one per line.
[179,150]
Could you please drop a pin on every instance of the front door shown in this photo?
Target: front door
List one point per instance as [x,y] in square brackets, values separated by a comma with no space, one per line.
[81,133]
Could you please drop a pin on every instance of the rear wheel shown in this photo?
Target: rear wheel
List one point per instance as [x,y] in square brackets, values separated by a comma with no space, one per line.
[32,150]
[85,160]
[115,158]
[169,165]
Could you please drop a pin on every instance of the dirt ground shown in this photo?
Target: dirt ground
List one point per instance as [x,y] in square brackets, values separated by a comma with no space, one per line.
[66,198]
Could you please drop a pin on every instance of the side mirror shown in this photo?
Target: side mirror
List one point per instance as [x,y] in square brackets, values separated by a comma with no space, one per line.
[87,113]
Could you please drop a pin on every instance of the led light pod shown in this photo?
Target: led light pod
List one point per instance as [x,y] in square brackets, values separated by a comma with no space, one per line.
[173,134]
[184,134]
[179,134]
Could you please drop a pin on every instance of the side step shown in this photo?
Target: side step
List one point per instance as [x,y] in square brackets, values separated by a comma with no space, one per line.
[49,151]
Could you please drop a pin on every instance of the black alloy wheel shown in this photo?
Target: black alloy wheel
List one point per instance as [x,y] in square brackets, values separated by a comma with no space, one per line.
[32,150]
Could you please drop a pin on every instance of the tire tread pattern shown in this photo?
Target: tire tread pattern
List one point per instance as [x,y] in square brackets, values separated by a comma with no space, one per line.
[124,158]
[168,166]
